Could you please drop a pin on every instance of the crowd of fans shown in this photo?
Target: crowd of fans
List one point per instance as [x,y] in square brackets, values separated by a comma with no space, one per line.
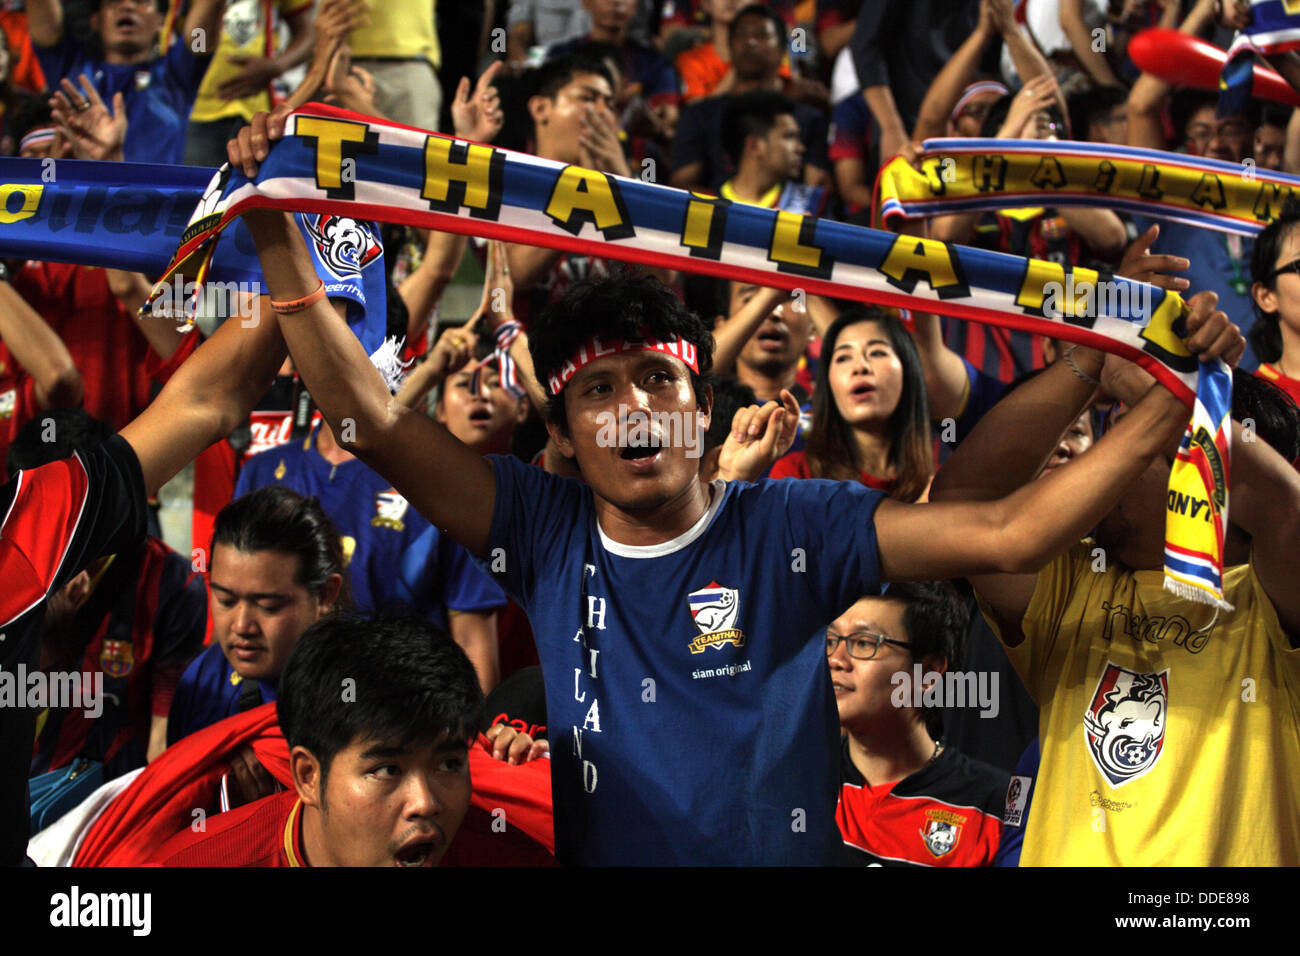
[391,576]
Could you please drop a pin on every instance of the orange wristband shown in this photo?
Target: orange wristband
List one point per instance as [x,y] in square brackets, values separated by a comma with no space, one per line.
[297,305]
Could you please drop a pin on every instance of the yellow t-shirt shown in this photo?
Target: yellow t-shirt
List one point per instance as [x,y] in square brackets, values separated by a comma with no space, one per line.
[1169,737]
[244,29]
[398,29]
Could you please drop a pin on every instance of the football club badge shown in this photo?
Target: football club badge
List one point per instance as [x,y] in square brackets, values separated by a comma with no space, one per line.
[1125,723]
[390,508]
[942,831]
[1017,800]
[116,658]
[345,245]
[714,610]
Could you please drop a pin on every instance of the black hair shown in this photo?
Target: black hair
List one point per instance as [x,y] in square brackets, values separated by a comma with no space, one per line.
[751,114]
[756,9]
[1272,412]
[1272,114]
[997,115]
[1183,105]
[55,434]
[729,396]
[276,518]
[33,113]
[554,75]
[625,305]
[399,680]
[1087,105]
[832,451]
[160,5]
[936,620]
[1266,333]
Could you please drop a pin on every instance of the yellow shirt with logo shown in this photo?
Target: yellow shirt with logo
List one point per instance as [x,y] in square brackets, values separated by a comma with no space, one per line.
[398,29]
[244,28]
[1169,737]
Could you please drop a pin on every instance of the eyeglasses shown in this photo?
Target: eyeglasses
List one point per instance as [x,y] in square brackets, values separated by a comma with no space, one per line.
[1289,267]
[862,645]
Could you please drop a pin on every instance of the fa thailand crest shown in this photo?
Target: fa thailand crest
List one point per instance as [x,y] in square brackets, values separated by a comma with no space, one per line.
[1125,723]
[714,610]
[942,831]
[345,245]
[116,658]
[241,21]
[390,508]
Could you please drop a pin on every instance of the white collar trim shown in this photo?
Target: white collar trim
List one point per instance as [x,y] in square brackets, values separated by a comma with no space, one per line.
[717,490]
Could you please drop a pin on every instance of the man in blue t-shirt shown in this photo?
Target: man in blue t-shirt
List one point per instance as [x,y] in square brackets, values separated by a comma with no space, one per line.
[159,89]
[680,623]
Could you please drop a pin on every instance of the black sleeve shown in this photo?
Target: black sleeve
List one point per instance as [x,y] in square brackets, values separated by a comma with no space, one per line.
[115,515]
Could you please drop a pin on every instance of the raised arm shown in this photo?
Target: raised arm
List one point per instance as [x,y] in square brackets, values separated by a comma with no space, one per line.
[1094,63]
[45,21]
[211,393]
[729,339]
[204,19]
[37,348]
[956,75]
[1147,97]
[448,483]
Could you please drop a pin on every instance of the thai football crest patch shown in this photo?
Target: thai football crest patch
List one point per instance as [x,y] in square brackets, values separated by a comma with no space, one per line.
[1125,722]
[390,508]
[714,610]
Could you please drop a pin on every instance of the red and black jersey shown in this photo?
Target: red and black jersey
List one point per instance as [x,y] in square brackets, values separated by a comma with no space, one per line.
[54,520]
[948,813]
[141,626]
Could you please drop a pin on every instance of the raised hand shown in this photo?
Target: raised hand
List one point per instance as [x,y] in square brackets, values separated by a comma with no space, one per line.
[514,746]
[1143,266]
[760,434]
[478,116]
[94,131]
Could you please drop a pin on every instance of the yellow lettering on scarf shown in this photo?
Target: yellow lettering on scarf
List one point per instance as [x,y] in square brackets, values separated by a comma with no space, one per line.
[911,258]
[1075,297]
[584,195]
[1049,174]
[1160,332]
[31,194]
[989,173]
[1209,192]
[462,174]
[703,226]
[1270,198]
[791,247]
[1291,6]
[337,140]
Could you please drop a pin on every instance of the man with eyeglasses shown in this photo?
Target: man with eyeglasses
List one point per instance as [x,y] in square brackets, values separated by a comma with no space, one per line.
[905,797]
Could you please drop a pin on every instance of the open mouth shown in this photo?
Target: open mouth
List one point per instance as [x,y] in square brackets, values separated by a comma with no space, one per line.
[638,454]
[862,391]
[126,22]
[481,415]
[418,852]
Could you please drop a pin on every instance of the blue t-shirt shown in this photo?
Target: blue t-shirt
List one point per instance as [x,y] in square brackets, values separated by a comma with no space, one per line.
[1214,267]
[208,691]
[396,556]
[690,709]
[159,93]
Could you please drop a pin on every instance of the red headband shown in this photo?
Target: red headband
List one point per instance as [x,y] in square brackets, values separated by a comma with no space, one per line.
[594,348]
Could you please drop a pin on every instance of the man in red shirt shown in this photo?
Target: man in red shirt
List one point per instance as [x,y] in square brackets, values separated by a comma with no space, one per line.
[380,769]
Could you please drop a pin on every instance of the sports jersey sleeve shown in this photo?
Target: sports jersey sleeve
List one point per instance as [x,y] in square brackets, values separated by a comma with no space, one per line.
[532,518]
[850,130]
[57,61]
[1288,656]
[184,69]
[64,515]
[829,529]
[468,587]
[1036,658]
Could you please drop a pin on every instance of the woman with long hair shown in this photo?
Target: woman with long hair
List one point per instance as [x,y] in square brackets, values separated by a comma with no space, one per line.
[871,417]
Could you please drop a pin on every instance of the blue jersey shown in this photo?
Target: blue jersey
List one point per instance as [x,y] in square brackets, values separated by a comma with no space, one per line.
[690,709]
[349,257]
[159,93]
[380,531]
[208,691]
